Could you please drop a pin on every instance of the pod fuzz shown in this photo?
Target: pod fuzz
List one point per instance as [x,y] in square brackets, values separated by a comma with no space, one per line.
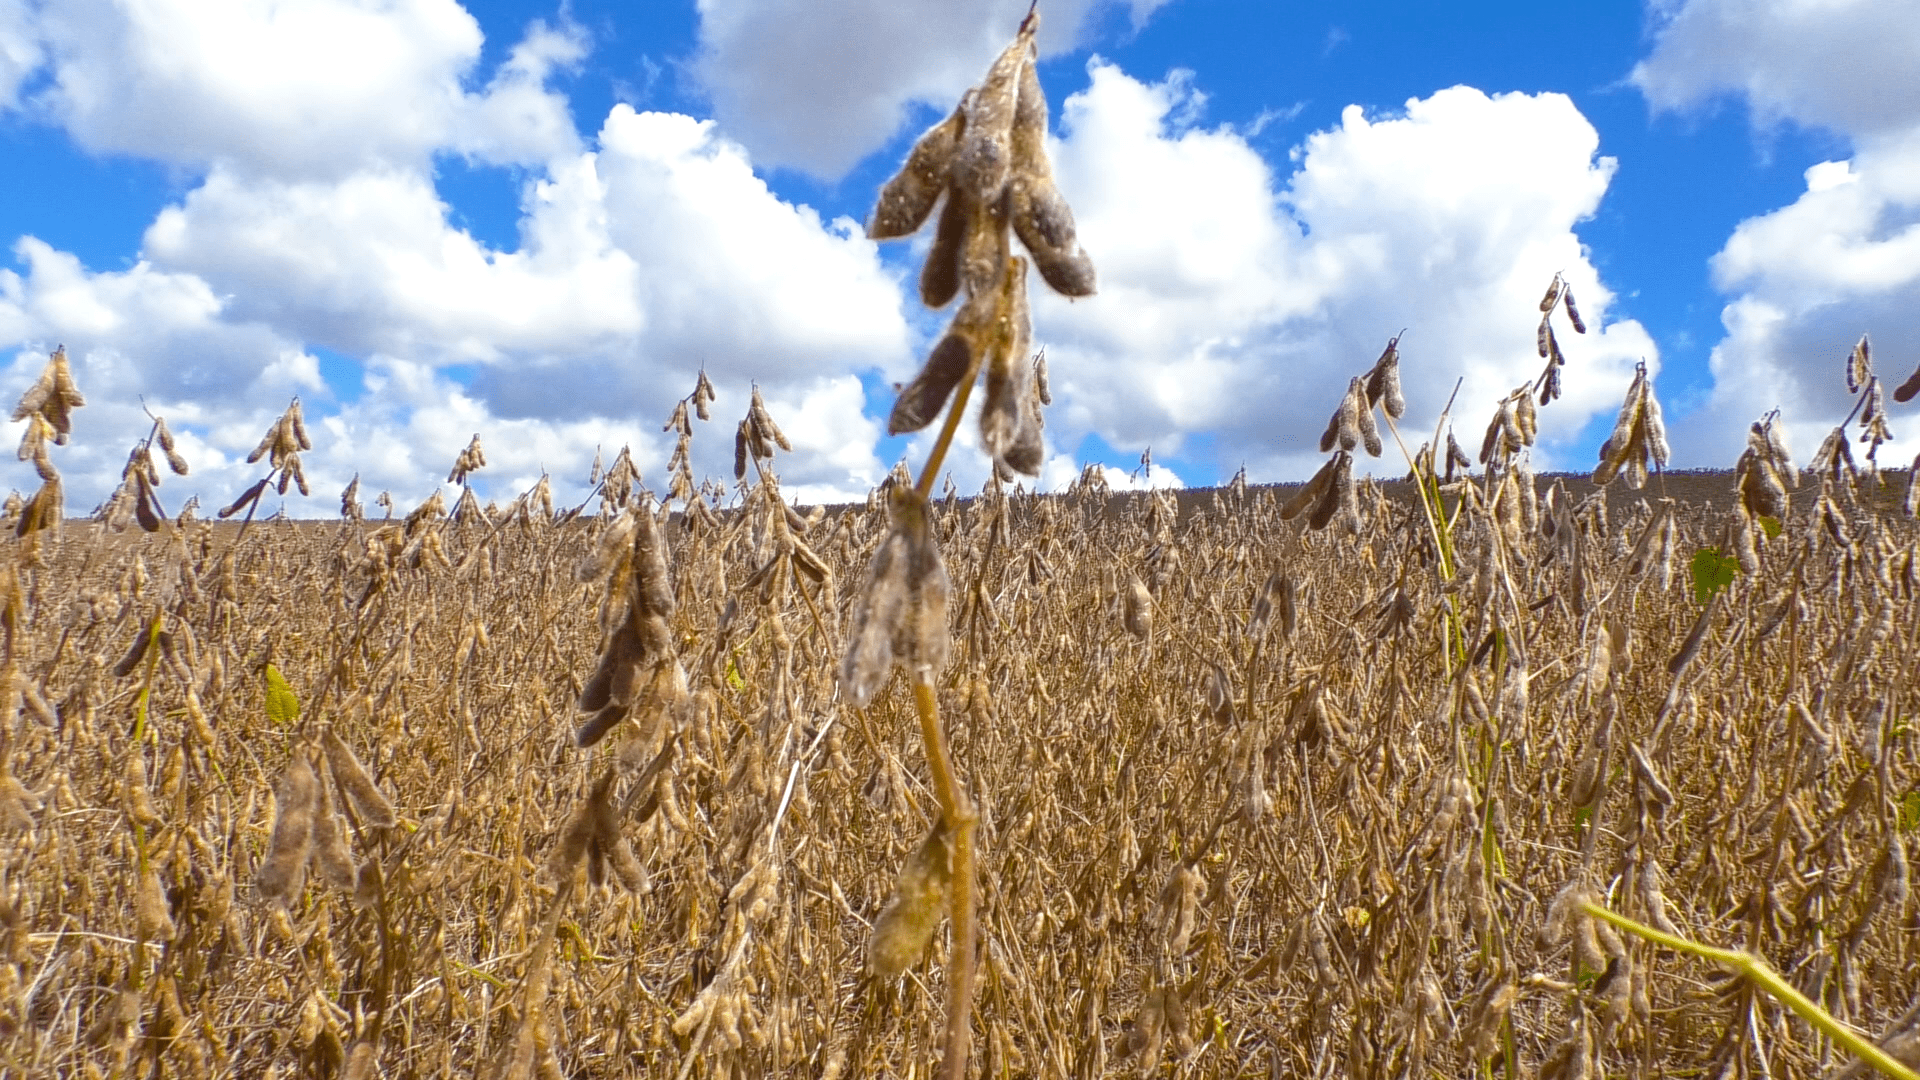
[1010,420]
[908,198]
[363,794]
[907,923]
[902,615]
[332,857]
[283,871]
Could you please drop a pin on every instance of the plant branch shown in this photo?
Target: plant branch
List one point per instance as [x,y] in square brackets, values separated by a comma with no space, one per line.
[952,424]
[1762,975]
[956,812]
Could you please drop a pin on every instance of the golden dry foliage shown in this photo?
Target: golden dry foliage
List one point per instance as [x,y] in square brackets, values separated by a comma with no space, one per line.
[532,793]
[1315,819]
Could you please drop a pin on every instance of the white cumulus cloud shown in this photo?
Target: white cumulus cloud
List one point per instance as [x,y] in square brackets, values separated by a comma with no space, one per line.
[1236,302]
[1804,281]
[1841,64]
[20,49]
[820,86]
[316,230]
[315,87]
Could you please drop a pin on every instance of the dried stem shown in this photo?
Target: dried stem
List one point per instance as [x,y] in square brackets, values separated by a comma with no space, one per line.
[956,812]
[956,809]
[940,445]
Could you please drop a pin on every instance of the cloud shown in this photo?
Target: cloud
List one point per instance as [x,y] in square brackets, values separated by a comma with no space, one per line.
[640,263]
[20,50]
[139,338]
[314,88]
[367,263]
[163,339]
[820,86]
[1846,65]
[1805,280]
[650,255]
[1234,303]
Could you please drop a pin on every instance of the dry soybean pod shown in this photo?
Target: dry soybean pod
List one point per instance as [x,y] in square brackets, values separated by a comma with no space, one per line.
[907,199]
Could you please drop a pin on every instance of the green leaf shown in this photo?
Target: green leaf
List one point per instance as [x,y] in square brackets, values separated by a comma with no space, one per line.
[733,676]
[1910,811]
[1771,526]
[283,708]
[1712,572]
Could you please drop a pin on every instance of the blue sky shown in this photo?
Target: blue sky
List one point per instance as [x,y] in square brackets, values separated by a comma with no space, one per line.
[538,221]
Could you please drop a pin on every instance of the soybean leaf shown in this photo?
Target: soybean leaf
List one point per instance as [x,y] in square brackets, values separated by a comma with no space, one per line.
[1910,811]
[1712,572]
[283,708]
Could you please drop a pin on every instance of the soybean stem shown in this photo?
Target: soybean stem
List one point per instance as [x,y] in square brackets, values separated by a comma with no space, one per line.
[956,812]
[1767,979]
[939,454]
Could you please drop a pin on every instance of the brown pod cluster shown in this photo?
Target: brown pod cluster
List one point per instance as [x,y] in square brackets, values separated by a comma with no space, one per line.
[283,872]
[1833,462]
[1383,381]
[51,400]
[1560,295]
[136,496]
[1330,491]
[472,459]
[593,833]
[1639,436]
[285,439]
[902,616]
[331,854]
[1515,426]
[1765,471]
[986,166]
[281,446]
[366,798]
[907,923]
[1352,424]
[639,668]
[756,436]
[680,483]
[47,407]
[309,826]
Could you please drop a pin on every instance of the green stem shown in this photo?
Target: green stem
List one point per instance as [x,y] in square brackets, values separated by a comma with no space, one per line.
[1763,975]
[1428,485]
